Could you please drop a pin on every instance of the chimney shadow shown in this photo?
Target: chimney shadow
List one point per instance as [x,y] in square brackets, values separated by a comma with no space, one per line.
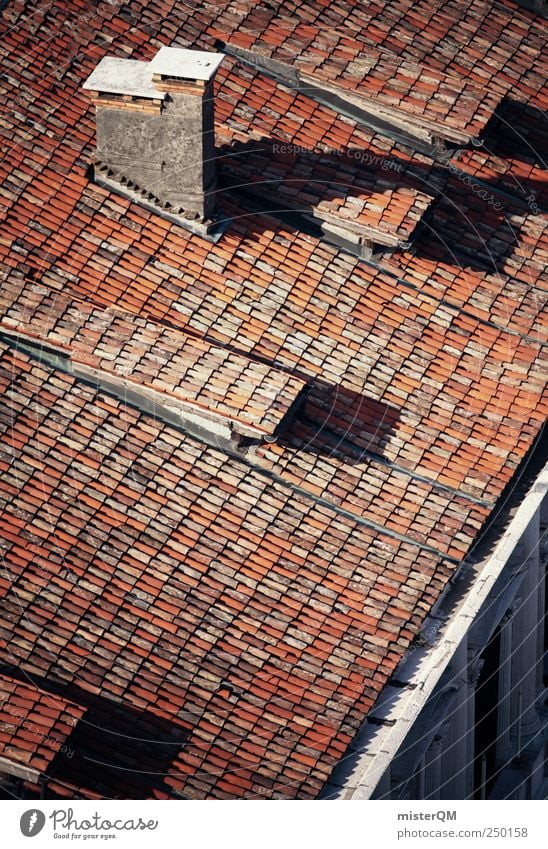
[114,751]
[272,151]
[457,228]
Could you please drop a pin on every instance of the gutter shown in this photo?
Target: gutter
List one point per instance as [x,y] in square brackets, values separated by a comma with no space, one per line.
[402,700]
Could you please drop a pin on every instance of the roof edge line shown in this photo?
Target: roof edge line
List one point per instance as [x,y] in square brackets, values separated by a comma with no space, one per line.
[332,98]
[433,658]
[173,407]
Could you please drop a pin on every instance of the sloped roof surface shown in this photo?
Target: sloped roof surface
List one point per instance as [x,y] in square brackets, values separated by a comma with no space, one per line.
[383,80]
[367,201]
[152,569]
[256,603]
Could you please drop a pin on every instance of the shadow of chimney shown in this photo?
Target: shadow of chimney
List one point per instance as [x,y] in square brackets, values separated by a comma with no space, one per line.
[472,219]
[115,751]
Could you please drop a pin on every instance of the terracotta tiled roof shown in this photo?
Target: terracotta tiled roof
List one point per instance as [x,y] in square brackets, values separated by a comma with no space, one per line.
[513,157]
[34,727]
[367,201]
[256,602]
[488,44]
[492,267]
[191,585]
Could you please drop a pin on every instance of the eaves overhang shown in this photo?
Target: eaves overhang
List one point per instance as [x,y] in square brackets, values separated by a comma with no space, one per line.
[400,704]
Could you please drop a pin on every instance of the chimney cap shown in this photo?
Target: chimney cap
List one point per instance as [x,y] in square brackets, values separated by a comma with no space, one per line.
[123,76]
[185,64]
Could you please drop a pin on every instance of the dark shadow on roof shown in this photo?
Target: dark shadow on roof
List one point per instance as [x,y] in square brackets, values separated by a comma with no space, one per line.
[464,235]
[278,171]
[519,131]
[477,237]
[351,163]
[115,751]
[338,422]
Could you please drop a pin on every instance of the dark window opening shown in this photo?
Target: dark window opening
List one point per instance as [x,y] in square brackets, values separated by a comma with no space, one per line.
[485,732]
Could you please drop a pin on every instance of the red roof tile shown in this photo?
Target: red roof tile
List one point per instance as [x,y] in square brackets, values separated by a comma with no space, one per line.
[411,95]
[247,571]
[183,374]
[366,201]
[470,39]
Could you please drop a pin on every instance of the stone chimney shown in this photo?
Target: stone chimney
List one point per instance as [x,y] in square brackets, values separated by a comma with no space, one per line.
[155,132]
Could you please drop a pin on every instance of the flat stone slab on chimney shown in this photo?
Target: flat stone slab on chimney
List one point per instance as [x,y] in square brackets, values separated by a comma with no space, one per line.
[123,76]
[185,64]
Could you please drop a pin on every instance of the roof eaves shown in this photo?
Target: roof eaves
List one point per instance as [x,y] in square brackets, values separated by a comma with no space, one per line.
[384,730]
